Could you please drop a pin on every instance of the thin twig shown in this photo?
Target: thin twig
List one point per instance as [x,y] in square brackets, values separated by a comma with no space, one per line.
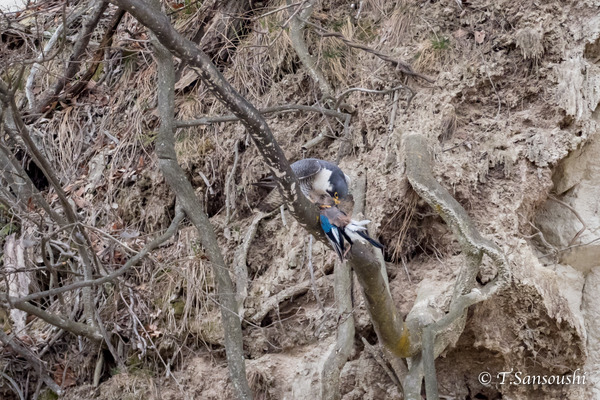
[577,215]
[345,93]
[277,10]
[399,64]
[265,111]
[130,263]
[14,384]
[229,192]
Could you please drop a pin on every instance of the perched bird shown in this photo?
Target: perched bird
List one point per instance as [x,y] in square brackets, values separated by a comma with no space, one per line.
[315,176]
[338,225]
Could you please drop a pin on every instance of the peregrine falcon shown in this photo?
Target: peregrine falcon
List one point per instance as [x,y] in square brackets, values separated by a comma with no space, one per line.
[316,177]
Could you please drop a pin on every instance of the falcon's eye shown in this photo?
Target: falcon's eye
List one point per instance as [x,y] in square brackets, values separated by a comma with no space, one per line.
[335,195]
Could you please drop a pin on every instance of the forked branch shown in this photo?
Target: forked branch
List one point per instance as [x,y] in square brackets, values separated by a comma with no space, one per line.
[438,335]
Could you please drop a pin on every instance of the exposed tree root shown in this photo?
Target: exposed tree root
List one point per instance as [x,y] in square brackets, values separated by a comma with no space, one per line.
[437,335]
[240,268]
[297,25]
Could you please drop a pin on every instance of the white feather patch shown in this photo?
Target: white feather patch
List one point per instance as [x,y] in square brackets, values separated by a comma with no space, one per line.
[321,182]
[353,227]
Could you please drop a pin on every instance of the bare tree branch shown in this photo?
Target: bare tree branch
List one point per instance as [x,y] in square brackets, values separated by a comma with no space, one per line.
[176,178]
[262,136]
[402,66]
[74,62]
[76,328]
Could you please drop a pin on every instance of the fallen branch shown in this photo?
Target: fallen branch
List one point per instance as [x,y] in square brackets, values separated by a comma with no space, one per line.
[74,62]
[273,301]
[47,48]
[321,137]
[76,328]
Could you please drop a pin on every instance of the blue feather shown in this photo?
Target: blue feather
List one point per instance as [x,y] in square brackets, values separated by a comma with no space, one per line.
[325,224]
[334,234]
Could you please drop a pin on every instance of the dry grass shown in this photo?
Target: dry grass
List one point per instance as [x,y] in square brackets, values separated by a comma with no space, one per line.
[399,231]
[530,41]
[398,24]
[185,286]
[433,54]
[334,55]
[260,383]
[263,57]
[449,123]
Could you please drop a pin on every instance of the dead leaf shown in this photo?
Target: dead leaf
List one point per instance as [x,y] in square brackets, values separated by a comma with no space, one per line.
[69,377]
[140,164]
[479,37]
[460,33]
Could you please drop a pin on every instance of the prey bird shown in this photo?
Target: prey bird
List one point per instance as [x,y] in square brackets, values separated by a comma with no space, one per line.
[338,225]
[316,176]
